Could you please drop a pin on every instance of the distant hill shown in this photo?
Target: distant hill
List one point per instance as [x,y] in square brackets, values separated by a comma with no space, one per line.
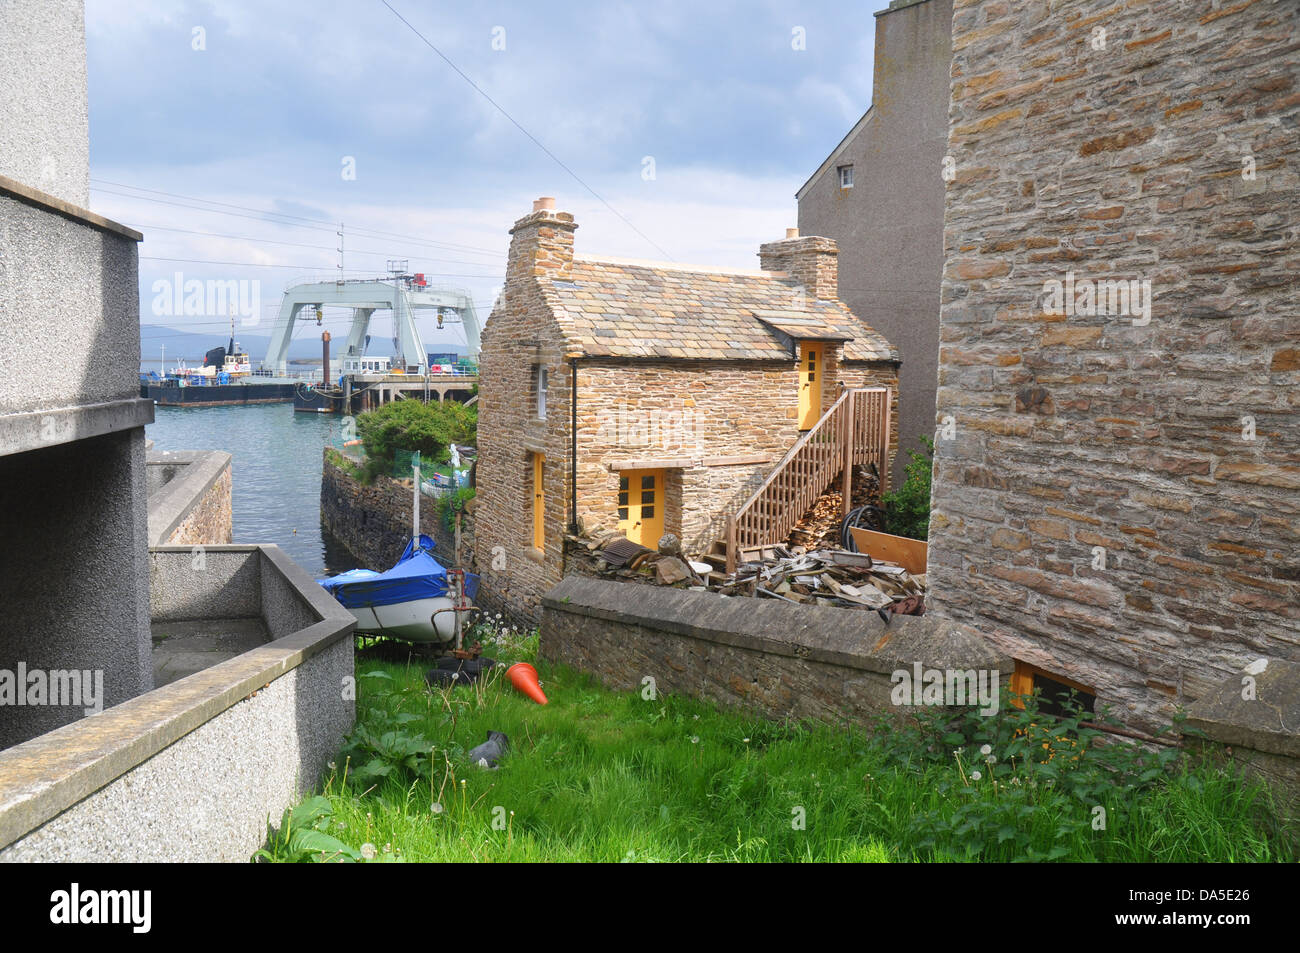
[190,347]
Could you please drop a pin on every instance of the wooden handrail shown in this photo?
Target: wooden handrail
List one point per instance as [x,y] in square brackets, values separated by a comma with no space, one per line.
[857,422]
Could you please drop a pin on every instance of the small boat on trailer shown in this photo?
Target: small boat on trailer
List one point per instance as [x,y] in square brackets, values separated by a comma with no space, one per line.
[417,600]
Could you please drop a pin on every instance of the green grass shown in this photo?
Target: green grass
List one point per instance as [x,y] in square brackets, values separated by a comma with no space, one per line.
[604,776]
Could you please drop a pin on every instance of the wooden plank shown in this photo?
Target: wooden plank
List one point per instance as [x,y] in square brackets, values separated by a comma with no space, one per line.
[911,554]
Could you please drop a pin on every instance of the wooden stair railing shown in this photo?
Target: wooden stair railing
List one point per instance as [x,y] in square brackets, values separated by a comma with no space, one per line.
[859,422]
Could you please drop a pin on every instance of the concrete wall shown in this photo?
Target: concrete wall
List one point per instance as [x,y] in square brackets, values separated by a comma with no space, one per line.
[784,661]
[194,770]
[1119,503]
[889,226]
[71,453]
[208,796]
[72,556]
[44,120]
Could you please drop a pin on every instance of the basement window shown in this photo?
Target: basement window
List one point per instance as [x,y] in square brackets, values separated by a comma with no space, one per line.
[1054,691]
[846,176]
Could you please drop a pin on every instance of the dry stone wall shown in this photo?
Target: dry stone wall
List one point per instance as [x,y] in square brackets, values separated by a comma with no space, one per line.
[373,522]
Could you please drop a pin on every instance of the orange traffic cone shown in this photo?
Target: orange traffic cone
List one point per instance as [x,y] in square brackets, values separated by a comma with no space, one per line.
[524,678]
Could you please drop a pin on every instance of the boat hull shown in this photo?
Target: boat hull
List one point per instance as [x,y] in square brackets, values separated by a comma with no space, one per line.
[412,621]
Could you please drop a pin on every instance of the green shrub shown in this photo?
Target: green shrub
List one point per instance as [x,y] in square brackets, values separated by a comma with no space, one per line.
[412,425]
[907,509]
[451,504]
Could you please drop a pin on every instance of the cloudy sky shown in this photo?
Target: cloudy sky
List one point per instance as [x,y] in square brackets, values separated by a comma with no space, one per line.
[695,122]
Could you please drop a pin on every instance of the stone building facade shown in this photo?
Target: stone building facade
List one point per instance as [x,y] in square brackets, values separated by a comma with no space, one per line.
[880,196]
[1116,501]
[690,384]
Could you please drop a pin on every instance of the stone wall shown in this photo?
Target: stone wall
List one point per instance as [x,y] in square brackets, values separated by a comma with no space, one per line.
[189,497]
[782,661]
[1118,501]
[718,428]
[520,336]
[373,522]
[1251,719]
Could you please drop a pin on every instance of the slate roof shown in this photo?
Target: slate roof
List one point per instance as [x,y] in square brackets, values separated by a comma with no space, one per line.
[646,310]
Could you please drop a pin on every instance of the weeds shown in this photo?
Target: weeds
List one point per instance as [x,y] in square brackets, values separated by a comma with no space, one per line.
[614,776]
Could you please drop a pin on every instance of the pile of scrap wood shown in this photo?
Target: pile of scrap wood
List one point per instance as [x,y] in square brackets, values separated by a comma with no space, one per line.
[833,577]
[820,526]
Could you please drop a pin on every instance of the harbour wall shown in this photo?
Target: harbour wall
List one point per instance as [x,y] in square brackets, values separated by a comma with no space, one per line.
[373,521]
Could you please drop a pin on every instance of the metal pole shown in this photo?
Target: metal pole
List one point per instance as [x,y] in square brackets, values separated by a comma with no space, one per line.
[415,532]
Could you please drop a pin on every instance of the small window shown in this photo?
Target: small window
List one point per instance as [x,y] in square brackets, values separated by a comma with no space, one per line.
[539,381]
[846,176]
[1056,693]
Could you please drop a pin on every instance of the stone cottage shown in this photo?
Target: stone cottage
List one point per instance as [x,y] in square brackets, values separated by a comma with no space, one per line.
[648,396]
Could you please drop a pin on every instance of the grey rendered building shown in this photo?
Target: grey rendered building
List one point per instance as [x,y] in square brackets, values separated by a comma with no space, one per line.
[73,500]
[880,195]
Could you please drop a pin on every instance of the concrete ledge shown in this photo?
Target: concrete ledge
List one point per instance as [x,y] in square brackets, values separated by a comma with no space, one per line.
[1260,734]
[43,777]
[38,429]
[1268,722]
[178,495]
[52,203]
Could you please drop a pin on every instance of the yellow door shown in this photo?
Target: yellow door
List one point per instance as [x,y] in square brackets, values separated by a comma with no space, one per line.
[539,502]
[810,384]
[641,506]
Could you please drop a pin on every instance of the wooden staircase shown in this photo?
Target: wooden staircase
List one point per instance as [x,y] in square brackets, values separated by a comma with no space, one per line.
[853,431]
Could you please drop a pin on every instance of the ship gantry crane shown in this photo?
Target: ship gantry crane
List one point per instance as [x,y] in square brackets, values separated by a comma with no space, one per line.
[403,294]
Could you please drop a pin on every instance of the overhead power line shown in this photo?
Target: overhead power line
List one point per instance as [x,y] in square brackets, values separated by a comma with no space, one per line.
[274,218]
[499,108]
[300,267]
[273,241]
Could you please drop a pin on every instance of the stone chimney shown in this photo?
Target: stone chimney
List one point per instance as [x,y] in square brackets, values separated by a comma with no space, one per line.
[812,262]
[542,243]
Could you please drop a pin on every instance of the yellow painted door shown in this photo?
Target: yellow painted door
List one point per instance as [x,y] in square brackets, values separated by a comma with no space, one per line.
[539,502]
[810,383]
[641,506]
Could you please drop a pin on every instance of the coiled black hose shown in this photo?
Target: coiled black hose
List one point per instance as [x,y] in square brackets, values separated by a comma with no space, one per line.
[863,517]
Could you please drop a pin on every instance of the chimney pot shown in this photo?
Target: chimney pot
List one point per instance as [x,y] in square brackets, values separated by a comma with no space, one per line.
[792,233]
[545,203]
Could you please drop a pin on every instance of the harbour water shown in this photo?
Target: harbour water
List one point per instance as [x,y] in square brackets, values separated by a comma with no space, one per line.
[276,472]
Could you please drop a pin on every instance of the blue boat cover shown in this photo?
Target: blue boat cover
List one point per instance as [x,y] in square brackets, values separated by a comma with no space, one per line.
[416,575]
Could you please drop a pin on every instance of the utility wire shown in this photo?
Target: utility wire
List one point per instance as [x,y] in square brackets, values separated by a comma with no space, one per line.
[268,218]
[497,106]
[255,264]
[273,241]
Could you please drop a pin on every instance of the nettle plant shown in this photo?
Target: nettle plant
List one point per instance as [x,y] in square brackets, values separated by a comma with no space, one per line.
[1023,784]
